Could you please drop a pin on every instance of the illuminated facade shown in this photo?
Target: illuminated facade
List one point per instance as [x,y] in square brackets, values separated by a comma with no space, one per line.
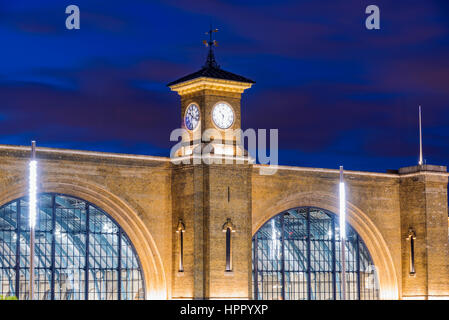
[117,226]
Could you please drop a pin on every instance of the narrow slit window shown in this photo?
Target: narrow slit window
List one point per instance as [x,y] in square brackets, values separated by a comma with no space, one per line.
[412,237]
[228,250]
[180,231]
[228,228]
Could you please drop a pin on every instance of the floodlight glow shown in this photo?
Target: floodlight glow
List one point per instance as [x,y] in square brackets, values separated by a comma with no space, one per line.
[273,239]
[32,192]
[342,211]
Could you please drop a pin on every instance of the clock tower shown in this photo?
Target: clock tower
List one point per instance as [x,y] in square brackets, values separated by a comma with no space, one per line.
[210,106]
[211,201]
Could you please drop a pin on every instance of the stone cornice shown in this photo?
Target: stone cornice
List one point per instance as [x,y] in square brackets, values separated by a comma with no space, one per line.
[267,168]
[205,83]
[55,151]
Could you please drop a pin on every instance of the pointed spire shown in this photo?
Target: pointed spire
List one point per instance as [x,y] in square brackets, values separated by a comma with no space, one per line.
[211,62]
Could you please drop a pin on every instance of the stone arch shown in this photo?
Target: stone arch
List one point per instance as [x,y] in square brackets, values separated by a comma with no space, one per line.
[127,217]
[377,246]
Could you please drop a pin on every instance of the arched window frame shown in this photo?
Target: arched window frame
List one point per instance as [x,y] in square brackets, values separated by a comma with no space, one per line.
[20,266]
[228,228]
[310,246]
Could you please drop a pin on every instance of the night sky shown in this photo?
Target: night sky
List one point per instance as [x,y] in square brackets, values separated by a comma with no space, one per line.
[338,93]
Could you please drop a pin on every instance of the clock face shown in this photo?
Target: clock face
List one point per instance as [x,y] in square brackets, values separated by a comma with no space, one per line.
[192,117]
[223,115]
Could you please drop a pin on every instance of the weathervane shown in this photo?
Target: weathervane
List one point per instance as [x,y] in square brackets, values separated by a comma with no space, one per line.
[210,62]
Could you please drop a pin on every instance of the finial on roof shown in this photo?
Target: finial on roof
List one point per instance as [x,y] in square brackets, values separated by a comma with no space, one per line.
[211,62]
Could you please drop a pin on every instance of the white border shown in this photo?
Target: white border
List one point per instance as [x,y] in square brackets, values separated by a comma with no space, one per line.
[233,113]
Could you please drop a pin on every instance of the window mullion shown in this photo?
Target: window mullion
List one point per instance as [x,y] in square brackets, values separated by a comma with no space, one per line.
[358,266]
[309,276]
[86,257]
[282,258]
[18,250]
[119,265]
[53,246]
[334,261]
[256,271]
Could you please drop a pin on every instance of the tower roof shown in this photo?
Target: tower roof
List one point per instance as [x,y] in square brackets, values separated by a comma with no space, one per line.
[214,73]
[211,69]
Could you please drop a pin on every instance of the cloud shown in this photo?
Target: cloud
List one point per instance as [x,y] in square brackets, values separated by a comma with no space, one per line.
[106,106]
[333,88]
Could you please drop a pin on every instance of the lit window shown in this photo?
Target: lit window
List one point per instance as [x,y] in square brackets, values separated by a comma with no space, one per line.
[296,256]
[180,231]
[81,253]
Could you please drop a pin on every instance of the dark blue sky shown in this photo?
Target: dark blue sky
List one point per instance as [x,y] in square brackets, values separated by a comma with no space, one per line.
[338,93]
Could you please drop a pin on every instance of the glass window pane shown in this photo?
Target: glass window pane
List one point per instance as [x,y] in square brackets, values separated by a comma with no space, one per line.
[297,256]
[70,235]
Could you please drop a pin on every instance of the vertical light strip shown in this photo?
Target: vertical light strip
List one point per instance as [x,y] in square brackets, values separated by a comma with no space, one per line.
[273,239]
[342,211]
[32,195]
[343,233]
[33,192]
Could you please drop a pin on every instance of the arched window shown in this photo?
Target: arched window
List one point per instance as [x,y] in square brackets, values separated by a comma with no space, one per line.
[296,256]
[80,252]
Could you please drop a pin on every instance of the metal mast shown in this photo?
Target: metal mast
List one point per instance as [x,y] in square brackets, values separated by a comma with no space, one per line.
[420,138]
[32,212]
[342,197]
